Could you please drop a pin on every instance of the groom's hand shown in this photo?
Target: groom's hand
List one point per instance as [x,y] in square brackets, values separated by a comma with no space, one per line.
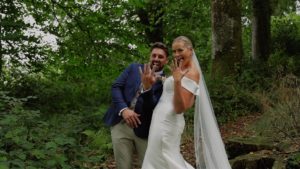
[131,118]
[148,77]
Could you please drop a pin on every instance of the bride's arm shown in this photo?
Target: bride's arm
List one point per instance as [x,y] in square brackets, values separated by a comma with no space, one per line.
[183,99]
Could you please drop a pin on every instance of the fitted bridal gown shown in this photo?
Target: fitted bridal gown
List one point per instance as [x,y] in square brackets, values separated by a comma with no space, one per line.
[163,150]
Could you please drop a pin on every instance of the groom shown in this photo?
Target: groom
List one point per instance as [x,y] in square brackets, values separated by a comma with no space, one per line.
[128,117]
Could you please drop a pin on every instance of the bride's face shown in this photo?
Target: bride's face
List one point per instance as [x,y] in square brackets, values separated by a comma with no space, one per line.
[182,53]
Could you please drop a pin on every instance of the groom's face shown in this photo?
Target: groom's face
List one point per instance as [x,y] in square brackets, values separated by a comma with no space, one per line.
[158,58]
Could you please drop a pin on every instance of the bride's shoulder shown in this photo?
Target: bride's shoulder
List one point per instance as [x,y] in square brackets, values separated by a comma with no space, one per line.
[194,75]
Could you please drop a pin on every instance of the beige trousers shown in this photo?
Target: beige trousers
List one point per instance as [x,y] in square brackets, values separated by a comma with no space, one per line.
[125,143]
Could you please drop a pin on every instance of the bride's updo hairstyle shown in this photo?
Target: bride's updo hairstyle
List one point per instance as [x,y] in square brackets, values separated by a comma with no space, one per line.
[188,43]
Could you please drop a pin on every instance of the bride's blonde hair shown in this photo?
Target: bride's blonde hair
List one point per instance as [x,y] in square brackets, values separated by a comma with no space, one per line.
[184,39]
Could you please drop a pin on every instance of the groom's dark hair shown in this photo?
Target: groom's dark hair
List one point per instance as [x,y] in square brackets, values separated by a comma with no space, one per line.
[160,45]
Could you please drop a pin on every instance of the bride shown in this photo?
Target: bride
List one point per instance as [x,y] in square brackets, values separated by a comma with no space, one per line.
[167,125]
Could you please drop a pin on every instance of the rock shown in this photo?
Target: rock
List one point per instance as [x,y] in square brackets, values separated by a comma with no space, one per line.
[242,146]
[258,160]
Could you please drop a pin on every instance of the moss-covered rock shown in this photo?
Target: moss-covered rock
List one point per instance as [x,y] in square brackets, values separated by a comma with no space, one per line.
[242,146]
[264,159]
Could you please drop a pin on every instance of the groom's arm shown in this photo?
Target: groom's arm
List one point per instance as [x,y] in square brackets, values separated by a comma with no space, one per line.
[118,89]
[147,102]
[151,97]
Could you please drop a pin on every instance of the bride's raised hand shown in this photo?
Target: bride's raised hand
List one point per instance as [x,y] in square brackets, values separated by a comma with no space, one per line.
[177,72]
[148,76]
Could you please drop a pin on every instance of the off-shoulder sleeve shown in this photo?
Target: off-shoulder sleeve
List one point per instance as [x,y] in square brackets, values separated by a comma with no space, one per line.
[190,85]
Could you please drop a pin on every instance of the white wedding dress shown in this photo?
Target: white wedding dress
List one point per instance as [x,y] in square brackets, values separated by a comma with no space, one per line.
[163,150]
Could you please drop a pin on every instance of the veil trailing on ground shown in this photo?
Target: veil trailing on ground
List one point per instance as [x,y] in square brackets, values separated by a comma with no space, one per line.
[209,147]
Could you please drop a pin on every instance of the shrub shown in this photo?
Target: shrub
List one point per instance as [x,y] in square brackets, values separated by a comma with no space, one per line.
[229,99]
[293,161]
[281,107]
[29,139]
[285,44]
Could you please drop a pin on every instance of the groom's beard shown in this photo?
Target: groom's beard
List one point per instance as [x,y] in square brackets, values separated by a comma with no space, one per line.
[155,68]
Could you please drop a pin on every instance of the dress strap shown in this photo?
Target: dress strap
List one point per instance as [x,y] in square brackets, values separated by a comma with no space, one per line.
[190,85]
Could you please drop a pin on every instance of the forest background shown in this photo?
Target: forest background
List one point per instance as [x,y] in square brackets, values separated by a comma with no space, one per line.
[59,59]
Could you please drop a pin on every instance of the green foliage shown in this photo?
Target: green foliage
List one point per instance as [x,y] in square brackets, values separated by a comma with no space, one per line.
[286,33]
[192,19]
[286,40]
[246,38]
[282,7]
[28,140]
[19,48]
[281,107]
[50,118]
[229,99]
[54,95]
[284,64]
[293,161]
[99,139]
[256,76]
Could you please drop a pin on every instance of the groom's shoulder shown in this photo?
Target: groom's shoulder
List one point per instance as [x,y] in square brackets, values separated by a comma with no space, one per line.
[134,65]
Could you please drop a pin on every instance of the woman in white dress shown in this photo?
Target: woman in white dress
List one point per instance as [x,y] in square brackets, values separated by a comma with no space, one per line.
[167,125]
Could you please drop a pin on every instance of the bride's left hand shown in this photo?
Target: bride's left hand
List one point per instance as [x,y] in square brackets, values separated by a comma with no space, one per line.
[177,71]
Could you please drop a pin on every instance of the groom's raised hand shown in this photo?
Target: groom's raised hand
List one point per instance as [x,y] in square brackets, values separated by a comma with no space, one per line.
[148,76]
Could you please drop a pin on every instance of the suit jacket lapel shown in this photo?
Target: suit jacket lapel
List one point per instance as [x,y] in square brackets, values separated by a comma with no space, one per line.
[138,81]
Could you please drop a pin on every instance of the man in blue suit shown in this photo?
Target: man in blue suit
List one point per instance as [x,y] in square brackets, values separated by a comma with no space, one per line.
[129,115]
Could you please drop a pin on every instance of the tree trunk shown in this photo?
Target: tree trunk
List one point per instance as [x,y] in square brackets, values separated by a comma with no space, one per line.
[261,30]
[227,51]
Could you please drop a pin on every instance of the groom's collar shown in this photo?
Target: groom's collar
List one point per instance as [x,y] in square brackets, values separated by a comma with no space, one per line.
[158,73]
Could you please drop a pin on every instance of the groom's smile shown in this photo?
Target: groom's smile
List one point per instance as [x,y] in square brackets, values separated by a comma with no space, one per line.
[158,59]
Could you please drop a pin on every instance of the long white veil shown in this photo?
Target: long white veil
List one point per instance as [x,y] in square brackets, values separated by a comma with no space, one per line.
[209,147]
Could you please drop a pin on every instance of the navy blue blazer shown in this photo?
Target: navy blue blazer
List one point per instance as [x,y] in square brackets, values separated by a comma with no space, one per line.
[123,91]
